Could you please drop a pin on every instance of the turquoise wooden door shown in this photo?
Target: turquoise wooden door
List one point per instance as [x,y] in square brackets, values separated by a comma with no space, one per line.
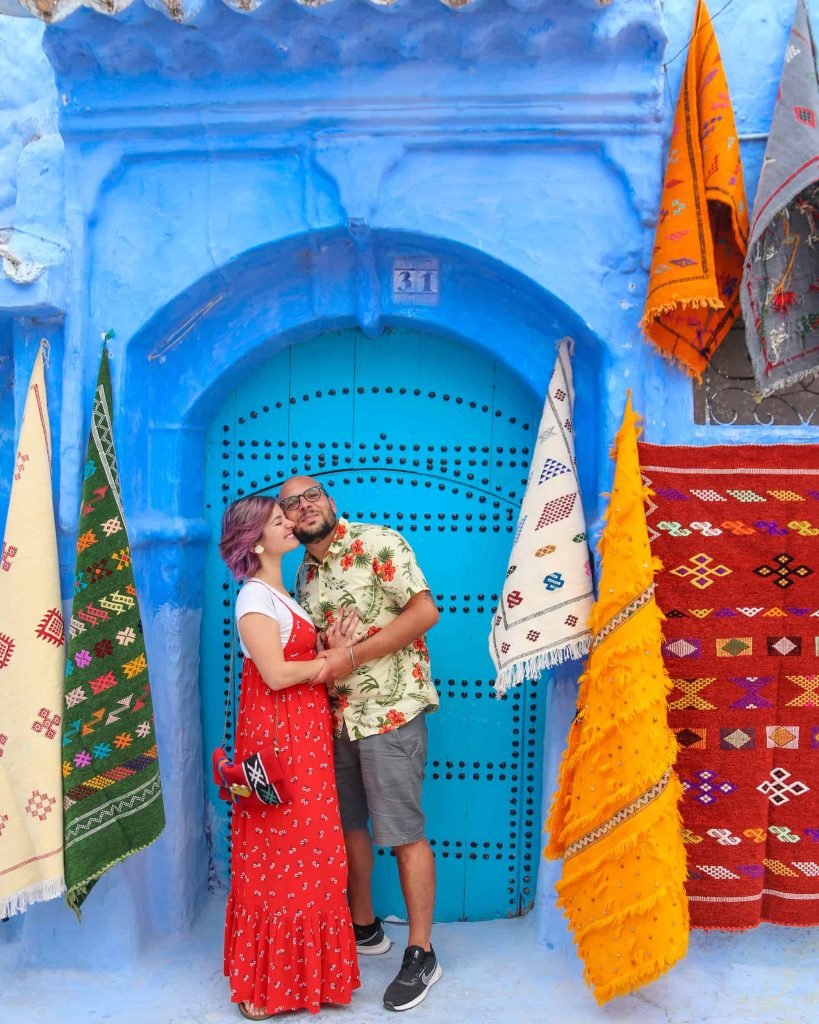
[434,440]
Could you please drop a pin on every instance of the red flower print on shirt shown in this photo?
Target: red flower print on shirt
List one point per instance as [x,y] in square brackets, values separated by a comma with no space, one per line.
[341,531]
[373,630]
[417,671]
[387,570]
[347,562]
[357,548]
[420,645]
[392,720]
[312,572]
[329,617]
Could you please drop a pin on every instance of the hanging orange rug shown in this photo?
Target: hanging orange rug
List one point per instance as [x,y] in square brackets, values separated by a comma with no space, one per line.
[614,820]
[702,227]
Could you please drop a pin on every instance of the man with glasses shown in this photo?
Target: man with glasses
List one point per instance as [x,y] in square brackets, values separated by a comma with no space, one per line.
[382,689]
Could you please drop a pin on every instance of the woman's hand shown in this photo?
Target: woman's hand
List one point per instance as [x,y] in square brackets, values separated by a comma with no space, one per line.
[345,630]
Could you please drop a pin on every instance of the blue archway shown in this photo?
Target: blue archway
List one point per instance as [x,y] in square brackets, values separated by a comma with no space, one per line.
[179,369]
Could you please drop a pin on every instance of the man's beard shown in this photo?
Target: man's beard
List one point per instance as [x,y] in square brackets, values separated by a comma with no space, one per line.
[320,530]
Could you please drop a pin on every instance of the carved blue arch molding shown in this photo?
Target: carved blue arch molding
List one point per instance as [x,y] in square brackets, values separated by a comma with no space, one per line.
[177,371]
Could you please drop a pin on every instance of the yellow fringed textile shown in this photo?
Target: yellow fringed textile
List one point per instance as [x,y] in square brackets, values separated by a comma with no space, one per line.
[614,819]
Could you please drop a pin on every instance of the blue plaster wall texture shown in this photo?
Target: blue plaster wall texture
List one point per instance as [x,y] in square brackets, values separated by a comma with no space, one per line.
[239,182]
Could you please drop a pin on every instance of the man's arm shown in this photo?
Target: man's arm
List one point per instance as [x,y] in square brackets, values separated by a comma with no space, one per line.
[417,616]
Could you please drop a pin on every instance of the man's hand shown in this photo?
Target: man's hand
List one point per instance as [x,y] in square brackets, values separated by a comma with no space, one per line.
[339,664]
[345,629]
[323,674]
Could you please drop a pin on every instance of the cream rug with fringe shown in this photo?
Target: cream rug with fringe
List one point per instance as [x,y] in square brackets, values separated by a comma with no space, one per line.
[32,666]
[542,617]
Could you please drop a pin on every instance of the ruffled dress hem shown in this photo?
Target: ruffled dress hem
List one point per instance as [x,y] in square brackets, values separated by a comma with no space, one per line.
[283,961]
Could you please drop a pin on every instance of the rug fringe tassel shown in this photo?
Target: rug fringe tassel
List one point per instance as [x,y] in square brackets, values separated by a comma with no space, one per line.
[20,901]
[771,390]
[533,666]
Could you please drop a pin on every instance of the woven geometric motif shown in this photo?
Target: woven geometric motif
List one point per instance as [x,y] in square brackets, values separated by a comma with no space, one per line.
[737,739]
[776,867]
[683,648]
[51,628]
[752,698]
[707,494]
[734,647]
[40,805]
[807,867]
[786,495]
[85,540]
[700,572]
[783,737]
[784,574]
[717,871]
[809,697]
[552,468]
[746,496]
[6,554]
[784,646]
[555,510]
[779,789]
[693,738]
[756,651]
[706,787]
[6,649]
[47,723]
[691,699]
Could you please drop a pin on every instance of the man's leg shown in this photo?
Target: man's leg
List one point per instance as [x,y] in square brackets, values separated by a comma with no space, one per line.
[360,860]
[416,872]
[392,770]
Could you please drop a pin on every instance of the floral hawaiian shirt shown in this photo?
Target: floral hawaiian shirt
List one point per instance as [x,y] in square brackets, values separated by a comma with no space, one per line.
[373,569]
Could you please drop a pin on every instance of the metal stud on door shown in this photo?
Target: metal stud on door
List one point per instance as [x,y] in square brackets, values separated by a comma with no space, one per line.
[432,439]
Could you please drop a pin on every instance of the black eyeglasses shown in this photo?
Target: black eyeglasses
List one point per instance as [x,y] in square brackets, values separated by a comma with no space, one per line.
[312,494]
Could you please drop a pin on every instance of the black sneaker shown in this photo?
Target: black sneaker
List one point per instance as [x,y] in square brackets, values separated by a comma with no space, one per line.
[370,939]
[419,972]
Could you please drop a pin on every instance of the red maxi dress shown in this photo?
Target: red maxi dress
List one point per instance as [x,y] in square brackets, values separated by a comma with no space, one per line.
[289,941]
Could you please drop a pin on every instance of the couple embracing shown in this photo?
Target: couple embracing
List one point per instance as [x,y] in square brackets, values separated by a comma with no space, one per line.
[348,722]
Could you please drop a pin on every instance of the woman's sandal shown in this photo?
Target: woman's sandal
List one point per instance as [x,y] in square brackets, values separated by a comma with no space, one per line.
[255,1014]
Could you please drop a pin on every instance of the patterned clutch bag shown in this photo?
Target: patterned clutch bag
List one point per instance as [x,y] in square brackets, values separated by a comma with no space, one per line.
[257,779]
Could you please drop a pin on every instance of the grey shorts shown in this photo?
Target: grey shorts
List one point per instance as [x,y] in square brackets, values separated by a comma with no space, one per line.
[379,779]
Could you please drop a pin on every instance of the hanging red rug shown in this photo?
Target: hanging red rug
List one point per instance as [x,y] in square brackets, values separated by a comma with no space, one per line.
[737,530]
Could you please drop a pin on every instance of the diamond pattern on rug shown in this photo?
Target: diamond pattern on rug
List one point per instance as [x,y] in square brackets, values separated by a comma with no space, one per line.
[555,510]
[734,647]
[694,738]
[784,737]
[784,646]
[737,739]
[683,648]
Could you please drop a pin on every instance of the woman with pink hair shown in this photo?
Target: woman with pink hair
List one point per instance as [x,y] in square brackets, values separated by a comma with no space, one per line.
[289,941]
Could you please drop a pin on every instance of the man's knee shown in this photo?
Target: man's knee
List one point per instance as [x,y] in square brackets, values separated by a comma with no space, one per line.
[407,850]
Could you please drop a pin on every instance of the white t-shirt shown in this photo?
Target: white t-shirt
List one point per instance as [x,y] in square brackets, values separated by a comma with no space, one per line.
[258,596]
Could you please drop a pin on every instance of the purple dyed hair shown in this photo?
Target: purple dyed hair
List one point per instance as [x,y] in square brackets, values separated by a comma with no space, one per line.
[242,525]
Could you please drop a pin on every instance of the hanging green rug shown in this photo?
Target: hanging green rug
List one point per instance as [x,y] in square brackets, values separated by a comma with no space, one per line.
[111,787]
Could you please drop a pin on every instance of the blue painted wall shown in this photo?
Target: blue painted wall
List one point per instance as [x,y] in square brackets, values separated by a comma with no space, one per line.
[237,183]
